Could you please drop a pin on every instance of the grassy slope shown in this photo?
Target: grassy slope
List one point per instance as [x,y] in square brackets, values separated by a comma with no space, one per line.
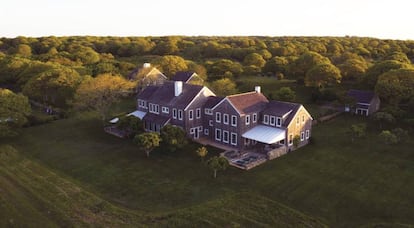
[33,196]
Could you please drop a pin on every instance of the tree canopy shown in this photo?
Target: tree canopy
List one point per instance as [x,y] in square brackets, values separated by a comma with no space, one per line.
[14,110]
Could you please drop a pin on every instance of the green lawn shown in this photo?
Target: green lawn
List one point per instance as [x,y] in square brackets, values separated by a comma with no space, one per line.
[330,182]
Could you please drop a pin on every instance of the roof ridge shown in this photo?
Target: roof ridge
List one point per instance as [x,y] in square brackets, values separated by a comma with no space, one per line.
[239,94]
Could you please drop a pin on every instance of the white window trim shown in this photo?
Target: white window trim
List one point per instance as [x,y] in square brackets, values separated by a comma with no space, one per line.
[174,113]
[165,110]
[278,122]
[218,136]
[290,142]
[254,117]
[247,119]
[218,117]
[198,113]
[210,122]
[190,114]
[226,118]
[307,134]
[234,123]
[272,120]
[206,131]
[180,114]
[231,138]
[224,138]
[266,119]
[208,111]
[302,136]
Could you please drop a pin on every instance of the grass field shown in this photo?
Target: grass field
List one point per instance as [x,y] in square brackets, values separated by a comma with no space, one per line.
[330,182]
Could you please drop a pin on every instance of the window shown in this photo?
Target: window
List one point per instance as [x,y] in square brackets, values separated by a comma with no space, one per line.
[272,120]
[307,134]
[165,110]
[303,119]
[210,122]
[157,109]
[233,139]
[198,113]
[233,120]
[266,119]
[191,130]
[200,128]
[153,108]
[278,121]
[180,114]
[206,131]
[297,120]
[208,111]
[226,118]
[302,136]
[218,117]
[218,134]
[174,113]
[247,119]
[254,117]
[190,114]
[226,136]
[290,139]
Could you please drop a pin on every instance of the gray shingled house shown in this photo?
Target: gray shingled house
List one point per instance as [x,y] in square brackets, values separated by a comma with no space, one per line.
[246,121]
[366,102]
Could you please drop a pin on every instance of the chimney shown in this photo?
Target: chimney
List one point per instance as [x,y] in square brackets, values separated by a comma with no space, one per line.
[146,65]
[257,89]
[178,88]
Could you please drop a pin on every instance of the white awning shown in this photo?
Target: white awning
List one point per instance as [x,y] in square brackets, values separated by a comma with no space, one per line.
[114,120]
[138,114]
[265,134]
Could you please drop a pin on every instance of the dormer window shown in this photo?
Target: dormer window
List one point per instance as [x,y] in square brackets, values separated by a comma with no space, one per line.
[266,119]
[272,120]
[278,122]
[247,119]
[254,117]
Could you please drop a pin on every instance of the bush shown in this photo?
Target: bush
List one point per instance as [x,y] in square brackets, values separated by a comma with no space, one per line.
[388,138]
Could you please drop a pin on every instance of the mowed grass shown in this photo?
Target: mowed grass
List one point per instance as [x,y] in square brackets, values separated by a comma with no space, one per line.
[330,182]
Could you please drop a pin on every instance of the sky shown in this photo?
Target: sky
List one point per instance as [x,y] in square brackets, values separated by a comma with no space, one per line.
[385,19]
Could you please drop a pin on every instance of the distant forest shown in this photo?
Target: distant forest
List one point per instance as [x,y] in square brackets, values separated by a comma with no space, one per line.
[49,69]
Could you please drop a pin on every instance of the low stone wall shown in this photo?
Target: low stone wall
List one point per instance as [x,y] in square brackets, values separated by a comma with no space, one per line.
[275,153]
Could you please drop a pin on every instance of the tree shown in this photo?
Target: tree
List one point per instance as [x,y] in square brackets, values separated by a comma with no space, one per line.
[353,69]
[372,73]
[148,141]
[276,65]
[224,87]
[357,131]
[395,86]
[401,134]
[100,93]
[174,138]
[202,152]
[219,68]
[305,62]
[388,138]
[296,141]
[56,86]
[217,163]
[285,94]
[14,110]
[171,64]
[254,59]
[131,124]
[24,50]
[383,117]
[322,74]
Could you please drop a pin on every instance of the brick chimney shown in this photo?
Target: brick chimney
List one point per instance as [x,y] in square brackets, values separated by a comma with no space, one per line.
[178,88]
[257,89]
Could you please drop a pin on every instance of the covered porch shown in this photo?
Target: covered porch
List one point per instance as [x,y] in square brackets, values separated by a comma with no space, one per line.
[265,140]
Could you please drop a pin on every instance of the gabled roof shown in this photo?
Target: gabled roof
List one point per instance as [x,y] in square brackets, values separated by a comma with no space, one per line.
[361,96]
[286,110]
[183,76]
[161,120]
[212,101]
[165,94]
[146,72]
[248,102]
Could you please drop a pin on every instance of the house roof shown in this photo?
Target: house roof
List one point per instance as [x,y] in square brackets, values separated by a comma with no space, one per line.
[212,101]
[165,94]
[265,134]
[138,114]
[286,110]
[146,72]
[248,102]
[183,76]
[361,96]
[154,118]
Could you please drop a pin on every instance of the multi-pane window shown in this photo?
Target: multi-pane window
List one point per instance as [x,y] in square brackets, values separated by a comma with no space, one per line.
[218,117]
[266,119]
[180,114]
[272,120]
[307,134]
[290,139]
[226,118]
[165,110]
[190,114]
[247,119]
[233,139]
[218,134]
[302,136]
[198,113]
[278,121]
[254,117]
[226,136]
[208,111]
[233,120]
[174,113]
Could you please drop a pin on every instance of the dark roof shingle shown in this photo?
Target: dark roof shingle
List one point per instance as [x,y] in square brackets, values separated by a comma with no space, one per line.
[361,96]
[280,109]
[212,101]
[183,76]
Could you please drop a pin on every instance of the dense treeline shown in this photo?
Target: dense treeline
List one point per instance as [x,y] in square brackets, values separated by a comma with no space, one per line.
[50,69]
